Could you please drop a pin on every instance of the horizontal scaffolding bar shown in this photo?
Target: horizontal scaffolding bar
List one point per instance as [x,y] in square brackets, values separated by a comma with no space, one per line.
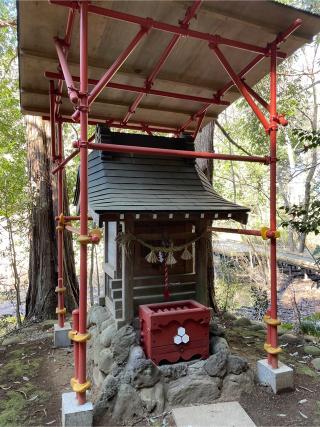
[116,148]
[72,218]
[165,94]
[235,231]
[264,233]
[116,123]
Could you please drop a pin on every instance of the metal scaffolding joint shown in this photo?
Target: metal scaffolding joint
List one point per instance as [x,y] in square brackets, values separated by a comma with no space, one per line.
[79,388]
[272,322]
[272,350]
[80,338]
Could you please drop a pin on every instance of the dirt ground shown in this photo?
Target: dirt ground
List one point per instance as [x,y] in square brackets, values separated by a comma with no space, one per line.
[33,375]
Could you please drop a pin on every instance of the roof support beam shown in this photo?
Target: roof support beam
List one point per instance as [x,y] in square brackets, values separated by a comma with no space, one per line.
[190,13]
[173,29]
[145,91]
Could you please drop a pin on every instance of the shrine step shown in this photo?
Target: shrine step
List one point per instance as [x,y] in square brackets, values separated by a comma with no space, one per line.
[226,414]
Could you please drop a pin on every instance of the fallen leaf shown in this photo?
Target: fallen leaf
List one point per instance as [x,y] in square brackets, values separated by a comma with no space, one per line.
[300,345]
[283,345]
[5,388]
[294,354]
[33,398]
[303,401]
[305,388]
[26,378]
[281,415]
[50,422]
[303,415]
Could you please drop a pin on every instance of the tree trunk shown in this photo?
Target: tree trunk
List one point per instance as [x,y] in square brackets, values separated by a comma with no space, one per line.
[14,267]
[204,142]
[41,300]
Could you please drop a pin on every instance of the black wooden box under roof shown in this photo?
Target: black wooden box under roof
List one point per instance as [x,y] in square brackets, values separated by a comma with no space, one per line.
[152,200]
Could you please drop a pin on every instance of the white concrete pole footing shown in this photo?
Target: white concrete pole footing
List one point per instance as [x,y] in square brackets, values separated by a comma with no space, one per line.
[279,379]
[60,336]
[74,414]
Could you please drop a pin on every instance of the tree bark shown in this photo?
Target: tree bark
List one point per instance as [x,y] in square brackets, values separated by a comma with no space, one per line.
[204,142]
[41,300]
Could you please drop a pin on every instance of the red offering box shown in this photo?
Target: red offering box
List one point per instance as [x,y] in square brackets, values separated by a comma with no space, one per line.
[174,330]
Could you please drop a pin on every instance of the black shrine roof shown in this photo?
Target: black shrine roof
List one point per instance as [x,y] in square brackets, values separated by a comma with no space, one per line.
[142,184]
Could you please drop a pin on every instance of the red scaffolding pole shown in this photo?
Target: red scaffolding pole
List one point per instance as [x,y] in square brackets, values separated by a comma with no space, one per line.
[83,100]
[60,289]
[272,343]
[82,384]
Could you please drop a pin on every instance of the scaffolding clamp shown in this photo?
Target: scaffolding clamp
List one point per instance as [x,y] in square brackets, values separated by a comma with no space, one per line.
[272,322]
[94,237]
[79,388]
[60,290]
[266,233]
[61,310]
[71,334]
[272,350]
[61,222]
[79,338]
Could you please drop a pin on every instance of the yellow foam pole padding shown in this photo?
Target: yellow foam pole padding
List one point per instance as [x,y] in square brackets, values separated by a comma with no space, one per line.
[60,290]
[79,388]
[61,310]
[272,350]
[80,337]
[273,322]
[264,231]
[71,334]
[84,240]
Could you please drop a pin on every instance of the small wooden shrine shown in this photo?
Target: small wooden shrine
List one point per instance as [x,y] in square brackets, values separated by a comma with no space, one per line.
[155,212]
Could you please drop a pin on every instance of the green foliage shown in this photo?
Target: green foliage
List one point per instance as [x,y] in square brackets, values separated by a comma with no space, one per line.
[311,325]
[308,138]
[302,220]
[287,326]
[13,174]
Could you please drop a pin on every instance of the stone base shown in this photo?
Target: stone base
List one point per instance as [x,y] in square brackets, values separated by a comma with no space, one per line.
[226,414]
[60,335]
[74,414]
[279,379]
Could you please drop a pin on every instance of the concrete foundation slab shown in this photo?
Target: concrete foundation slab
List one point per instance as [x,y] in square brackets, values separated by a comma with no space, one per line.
[224,414]
[74,414]
[60,335]
[279,379]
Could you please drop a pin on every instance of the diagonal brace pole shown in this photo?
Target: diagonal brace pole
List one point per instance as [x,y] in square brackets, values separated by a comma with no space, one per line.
[240,85]
[105,79]
[72,91]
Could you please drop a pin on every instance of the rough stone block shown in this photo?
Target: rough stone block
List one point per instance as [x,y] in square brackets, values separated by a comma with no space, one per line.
[60,335]
[74,414]
[279,379]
